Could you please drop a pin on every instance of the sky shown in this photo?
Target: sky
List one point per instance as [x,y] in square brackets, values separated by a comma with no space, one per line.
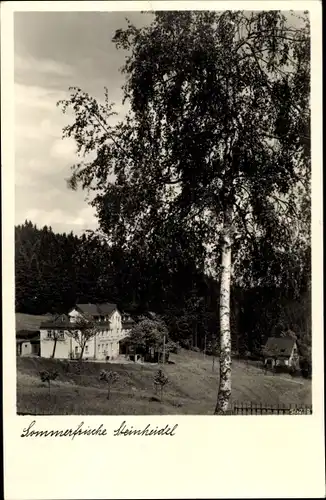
[53,51]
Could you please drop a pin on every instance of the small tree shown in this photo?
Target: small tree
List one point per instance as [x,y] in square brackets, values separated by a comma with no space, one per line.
[48,376]
[149,334]
[56,335]
[160,380]
[83,330]
[172,346]
[110,378]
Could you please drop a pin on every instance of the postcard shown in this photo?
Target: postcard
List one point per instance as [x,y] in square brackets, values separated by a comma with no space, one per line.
[162,250]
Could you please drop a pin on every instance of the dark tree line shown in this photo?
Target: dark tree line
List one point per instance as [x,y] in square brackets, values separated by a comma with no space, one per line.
[54,271]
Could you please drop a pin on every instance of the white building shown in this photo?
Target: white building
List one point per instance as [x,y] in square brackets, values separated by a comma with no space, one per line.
[56,337]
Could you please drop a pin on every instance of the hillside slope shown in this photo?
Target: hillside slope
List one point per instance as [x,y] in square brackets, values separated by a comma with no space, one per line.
[192,387]
[29,321]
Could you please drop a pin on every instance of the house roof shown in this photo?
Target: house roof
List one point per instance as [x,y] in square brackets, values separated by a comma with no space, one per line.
[128,324]
[30,322]
[97,309]
[62,322]
[127,321]
[26,336]
[279,346]
[58,321]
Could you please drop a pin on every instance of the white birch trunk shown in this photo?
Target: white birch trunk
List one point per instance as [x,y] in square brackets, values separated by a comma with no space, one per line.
[224,390]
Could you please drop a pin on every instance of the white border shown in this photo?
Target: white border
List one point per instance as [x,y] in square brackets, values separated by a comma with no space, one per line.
[209,457]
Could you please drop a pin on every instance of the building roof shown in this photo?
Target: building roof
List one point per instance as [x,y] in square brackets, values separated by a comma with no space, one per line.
[62,322]
[58,321]
[127,324]
[97,309]
[279,346]
[27,336]
[127,321]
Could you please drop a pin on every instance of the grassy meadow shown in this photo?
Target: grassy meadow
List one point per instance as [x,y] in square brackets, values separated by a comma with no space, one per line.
[191,390]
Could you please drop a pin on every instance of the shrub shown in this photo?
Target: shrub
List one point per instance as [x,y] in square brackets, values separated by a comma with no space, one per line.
[160,380]
[48,376]
[305,367]
[66,366]
[293,371]
[173,347]
[185,343]
[110,377]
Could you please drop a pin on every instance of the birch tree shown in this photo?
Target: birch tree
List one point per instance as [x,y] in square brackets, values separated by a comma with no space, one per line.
[215,138]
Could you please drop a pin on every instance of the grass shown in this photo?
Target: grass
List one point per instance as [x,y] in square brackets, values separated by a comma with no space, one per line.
[29,321]
[191,390]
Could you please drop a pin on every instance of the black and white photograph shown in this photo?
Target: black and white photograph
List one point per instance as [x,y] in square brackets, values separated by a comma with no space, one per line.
[162,256]
[163,212]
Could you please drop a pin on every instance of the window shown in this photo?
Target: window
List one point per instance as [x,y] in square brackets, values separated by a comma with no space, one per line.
[86,349]
[60,335]
[76,349]
[106,345]
[49,334]
[99,347]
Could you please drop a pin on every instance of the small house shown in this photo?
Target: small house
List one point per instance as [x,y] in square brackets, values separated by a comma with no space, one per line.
[27,343]
[28,334]
[281,351]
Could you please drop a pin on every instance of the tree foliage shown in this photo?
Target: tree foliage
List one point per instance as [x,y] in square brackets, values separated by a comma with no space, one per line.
[148,334]
[160,380]
[48,376]
[110,377]
[216,99]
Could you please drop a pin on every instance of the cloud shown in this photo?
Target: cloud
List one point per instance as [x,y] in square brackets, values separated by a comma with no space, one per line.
[60,208]
[83,218]
[42,163]
[38,98]
[48,66]
[54,51]
[64,149]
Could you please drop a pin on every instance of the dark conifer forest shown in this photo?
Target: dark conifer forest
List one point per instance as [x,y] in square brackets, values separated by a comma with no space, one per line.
[54,271]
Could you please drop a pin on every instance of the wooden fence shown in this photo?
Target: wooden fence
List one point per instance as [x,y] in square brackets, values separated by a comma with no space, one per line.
[239,408]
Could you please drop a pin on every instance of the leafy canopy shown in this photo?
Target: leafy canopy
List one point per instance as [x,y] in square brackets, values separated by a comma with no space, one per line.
[148,333]
[218,117]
